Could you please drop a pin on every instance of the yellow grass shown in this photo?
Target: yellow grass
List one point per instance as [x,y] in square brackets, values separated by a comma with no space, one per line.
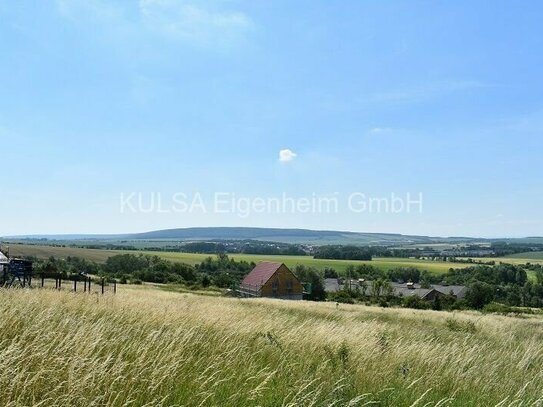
[150,347]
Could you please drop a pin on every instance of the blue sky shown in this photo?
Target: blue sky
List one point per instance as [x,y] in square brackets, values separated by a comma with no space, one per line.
[105,97]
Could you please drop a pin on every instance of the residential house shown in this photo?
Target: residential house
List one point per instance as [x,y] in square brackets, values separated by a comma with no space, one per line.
[273,280]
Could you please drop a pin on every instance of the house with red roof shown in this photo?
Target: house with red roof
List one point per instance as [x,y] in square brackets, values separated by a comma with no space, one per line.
[273,280]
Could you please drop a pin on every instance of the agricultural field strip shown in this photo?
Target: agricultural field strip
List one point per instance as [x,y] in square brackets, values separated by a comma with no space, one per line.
[101,255]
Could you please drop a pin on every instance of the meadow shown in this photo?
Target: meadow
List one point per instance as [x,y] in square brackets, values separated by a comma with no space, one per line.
[101,256]
[531,256]
[521,258]
[147,347]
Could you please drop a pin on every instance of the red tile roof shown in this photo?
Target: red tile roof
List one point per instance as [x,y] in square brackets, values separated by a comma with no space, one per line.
[261,274]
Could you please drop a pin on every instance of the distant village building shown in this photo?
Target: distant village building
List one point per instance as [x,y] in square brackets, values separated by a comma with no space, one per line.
[273,280]
[398,289]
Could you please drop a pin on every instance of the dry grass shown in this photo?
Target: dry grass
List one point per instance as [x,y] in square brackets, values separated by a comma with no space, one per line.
[151,347]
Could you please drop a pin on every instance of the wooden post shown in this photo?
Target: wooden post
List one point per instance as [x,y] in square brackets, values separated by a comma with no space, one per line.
[42,279]
[102,285]
[75,284]
[60,281]
[89,284]
[114,286]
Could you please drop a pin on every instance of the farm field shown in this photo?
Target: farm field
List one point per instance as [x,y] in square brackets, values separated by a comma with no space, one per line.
[150,347]
[44,252]
[193,258]
[521,258]
[531,256]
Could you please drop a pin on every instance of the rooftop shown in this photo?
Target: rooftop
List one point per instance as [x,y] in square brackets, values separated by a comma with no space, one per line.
[261,274]
[400,289]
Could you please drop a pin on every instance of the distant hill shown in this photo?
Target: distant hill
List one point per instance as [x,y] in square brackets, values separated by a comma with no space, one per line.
[288,236]
[307,236]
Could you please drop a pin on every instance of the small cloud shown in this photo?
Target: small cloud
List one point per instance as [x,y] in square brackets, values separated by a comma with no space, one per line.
[286,155]
[194,22]
[380,130]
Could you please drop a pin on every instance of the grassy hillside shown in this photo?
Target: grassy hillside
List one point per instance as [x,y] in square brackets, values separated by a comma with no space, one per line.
[44,252]
[150,347]
[528,256]
[192,258]
[521,258]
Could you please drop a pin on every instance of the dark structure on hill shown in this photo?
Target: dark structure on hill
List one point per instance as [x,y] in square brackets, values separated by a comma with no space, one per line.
[273,280]
[15,272]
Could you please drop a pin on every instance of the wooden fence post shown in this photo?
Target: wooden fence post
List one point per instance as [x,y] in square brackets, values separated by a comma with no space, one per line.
[103,285]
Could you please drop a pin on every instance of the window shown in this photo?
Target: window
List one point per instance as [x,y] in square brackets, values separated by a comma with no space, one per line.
[275,286]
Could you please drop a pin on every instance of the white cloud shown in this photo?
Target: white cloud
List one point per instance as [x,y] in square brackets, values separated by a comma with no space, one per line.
[203,23]
[286,155]
[195,22]
[380,130]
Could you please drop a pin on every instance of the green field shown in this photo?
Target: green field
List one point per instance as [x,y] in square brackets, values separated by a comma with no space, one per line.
[435,267]
[44,252]
[97,255]
[148,347]
[521,258]
[530,256]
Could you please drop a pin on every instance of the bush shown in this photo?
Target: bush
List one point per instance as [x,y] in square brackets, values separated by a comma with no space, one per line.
[497,308]
[413,301]
[341,296]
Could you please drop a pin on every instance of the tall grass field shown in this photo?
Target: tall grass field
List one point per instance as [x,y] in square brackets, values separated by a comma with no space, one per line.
[148,347]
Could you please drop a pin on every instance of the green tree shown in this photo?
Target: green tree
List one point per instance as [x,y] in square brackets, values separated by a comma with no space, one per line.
[311,275]
[479,294]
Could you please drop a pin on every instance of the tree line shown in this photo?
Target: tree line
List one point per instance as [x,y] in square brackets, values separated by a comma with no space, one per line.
[504,284]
